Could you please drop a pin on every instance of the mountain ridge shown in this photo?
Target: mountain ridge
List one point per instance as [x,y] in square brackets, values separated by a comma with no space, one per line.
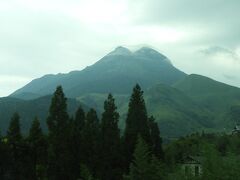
[180,103]
[145,66]
[29,109]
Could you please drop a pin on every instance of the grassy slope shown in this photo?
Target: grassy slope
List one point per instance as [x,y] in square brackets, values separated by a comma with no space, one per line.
[192,104]
[28,110]
[176,113]
[215,96]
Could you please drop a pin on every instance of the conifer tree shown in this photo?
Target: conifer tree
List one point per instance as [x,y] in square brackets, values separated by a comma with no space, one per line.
[38,153]
[4,158]
[156,141]
[79,120]
[110,141]
[14,141]
[91,141]
[76,141]
[58,117]
[139,169]
[85,173]
[136,123]
[144,165]
[14,132]
[59,166]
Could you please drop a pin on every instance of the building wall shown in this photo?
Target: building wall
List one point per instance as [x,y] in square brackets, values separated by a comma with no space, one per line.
[194,169]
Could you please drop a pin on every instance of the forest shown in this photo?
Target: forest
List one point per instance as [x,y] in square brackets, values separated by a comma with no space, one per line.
[88,147]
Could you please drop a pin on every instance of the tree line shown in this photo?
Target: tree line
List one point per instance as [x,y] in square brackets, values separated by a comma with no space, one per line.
[84,146]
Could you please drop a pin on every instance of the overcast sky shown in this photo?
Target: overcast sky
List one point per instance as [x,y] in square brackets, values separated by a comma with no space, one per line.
[40,37]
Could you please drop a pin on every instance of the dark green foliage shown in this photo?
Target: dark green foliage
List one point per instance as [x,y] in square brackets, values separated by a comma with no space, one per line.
[79,147]
[111,159]
[145,165]
[202,103]
[220,167]
[79,120]
[85,148]
[58,116]
[91,141]
[218,154]
[85,173]
[4,158]
[212,164]
[38,151]
[194,104]
[28,109]
[234,114]
[176,113]
[222,144]
[16,147]
[136,122]
[76,145]
[59,137]
[156,140]
[35,132]
[183,147]
[14,132]
[217,97]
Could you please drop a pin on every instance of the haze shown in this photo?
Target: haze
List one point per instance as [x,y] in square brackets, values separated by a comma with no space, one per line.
[43,37]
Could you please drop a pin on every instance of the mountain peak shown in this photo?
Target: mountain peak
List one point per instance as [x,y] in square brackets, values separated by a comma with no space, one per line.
[148,51]
[120,50]
[151,53]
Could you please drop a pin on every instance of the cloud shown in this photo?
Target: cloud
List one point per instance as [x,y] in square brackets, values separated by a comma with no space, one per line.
[229,77]
[188,12]
[215,21]
[9,82]
[220,63]
[217,51]
[42,37]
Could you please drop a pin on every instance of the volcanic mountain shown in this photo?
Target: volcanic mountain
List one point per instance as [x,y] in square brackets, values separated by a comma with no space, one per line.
[116,72]
[180,103]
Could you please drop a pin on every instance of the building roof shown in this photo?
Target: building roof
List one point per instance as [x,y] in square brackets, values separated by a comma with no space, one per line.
[191,160]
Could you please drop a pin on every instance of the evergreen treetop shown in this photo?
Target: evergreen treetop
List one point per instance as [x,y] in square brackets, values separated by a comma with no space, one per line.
[58,117]
[79,120]
[136,122]
[110,142]
[14,131]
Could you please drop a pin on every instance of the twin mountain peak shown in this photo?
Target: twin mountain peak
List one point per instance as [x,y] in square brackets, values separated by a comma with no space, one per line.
[180,103]
[120,50]
[144,52]
[117,72]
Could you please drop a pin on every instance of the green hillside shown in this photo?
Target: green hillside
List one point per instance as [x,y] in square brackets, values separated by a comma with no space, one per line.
[180,103]
[175,112]
[215,96]
[194,104]
[28,110]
